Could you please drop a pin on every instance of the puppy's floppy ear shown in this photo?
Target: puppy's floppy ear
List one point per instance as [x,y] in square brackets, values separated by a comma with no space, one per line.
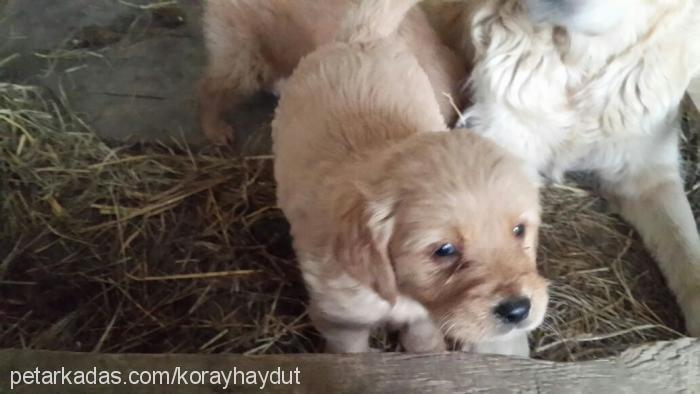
[365,227]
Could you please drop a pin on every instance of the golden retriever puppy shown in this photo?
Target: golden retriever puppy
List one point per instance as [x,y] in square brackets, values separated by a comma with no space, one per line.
[594,85]
[397,221]
[253,44]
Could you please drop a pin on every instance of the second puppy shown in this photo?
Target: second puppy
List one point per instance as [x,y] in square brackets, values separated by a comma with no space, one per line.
[396,220]
[254,44]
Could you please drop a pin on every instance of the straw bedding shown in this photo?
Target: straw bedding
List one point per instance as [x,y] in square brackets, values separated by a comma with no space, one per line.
[160,249]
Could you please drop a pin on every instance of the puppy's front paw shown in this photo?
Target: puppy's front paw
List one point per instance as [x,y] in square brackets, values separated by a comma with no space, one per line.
[423,337]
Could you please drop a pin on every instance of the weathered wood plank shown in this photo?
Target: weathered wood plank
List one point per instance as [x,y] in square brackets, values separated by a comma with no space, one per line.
[664,367]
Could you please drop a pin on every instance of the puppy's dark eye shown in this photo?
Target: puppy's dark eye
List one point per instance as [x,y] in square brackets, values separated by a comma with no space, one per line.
[446,250]
[519,231]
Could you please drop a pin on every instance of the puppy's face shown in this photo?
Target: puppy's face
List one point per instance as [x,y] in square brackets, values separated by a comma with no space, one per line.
[584,16]
[464,239]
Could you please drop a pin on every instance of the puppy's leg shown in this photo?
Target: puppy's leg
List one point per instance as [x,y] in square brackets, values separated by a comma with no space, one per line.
[343,338]
[341,335]
[235,70]
[651,197]
[422,336]
[514,345]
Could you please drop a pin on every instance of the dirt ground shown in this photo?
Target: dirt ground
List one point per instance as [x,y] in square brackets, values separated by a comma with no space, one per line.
[130,69]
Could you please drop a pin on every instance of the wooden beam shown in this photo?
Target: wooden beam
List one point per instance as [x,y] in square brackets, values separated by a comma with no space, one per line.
[663,367]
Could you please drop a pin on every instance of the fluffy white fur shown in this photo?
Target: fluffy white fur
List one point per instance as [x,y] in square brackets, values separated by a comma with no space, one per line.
[595,85]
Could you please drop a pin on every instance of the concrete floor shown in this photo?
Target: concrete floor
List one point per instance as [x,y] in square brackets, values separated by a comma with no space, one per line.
[130,70]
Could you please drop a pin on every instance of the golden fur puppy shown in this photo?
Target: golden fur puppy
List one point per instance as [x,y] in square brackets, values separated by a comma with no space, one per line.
[397,221]
[253,44]
[593,85]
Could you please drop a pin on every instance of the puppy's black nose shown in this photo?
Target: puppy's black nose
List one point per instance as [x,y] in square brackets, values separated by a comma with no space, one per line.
[513,310]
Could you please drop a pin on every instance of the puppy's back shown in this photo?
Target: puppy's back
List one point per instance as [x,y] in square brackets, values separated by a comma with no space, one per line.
[342,103]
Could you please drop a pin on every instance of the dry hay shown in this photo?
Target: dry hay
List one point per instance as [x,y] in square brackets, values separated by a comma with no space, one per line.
[157,249]
[138,249]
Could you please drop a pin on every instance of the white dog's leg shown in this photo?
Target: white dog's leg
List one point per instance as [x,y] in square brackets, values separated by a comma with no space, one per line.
[652,199]
[513,345]
[422,336]
[694,91]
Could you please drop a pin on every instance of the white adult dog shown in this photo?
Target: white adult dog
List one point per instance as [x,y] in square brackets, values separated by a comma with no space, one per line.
[596,85]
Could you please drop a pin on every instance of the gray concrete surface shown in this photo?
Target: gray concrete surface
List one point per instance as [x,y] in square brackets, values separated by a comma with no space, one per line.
[129,69]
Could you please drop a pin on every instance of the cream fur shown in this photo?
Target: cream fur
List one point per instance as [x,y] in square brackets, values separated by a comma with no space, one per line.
[254,44]
[595,85]
[372,183]
[694,92]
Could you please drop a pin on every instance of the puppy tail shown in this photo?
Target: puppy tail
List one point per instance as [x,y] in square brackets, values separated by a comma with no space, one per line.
[369,20]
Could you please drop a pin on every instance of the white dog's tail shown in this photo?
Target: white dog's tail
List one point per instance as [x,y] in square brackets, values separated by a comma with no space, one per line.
[369,20]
